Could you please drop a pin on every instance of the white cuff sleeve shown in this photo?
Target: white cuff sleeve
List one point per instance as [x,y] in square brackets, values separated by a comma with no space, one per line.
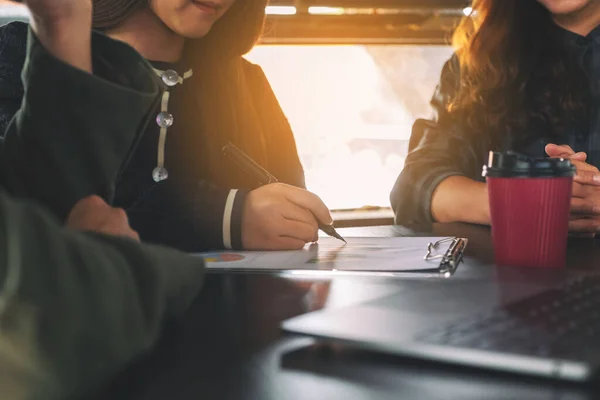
[227,218]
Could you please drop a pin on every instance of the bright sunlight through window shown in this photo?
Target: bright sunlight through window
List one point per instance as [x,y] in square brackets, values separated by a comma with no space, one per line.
[352,108]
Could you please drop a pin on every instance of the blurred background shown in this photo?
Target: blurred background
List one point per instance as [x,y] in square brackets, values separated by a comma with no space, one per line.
[352,76]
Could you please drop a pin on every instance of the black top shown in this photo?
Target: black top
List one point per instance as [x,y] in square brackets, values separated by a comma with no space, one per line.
[186,211]
[440,147]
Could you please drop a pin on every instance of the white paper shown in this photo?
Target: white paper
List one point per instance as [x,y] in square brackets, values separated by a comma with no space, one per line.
[387,254]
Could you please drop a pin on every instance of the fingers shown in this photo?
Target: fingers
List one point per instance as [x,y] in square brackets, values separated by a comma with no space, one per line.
[565,151]
[585,177]
[280,243]
[85,209]
[93,214]
[583,206]
[133,235]
[298,230]
[585,225]
[580,165]
[585,235]
[554,150]
[583,191]
[120,215]
[295,213]
[93,201]
[287,243]
[581,156]
[311,202]
[117,223]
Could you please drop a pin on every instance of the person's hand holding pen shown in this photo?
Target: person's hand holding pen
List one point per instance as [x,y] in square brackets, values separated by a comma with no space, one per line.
[278,216]
[282,217]
[585,201]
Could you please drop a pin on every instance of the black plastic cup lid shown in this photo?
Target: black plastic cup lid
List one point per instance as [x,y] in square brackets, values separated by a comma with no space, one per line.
[514,165]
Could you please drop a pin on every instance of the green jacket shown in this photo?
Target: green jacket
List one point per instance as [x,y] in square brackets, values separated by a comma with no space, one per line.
[76,308]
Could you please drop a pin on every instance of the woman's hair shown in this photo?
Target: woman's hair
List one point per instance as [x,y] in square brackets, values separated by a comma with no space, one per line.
[516,74]
[216,105]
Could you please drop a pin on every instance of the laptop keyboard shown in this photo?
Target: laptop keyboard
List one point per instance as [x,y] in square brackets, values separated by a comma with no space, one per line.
[559,323]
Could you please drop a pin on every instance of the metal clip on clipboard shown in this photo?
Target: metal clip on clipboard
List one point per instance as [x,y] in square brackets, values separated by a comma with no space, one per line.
[453,256]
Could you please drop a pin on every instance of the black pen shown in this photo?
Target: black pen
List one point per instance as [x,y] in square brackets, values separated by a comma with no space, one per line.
[264,177]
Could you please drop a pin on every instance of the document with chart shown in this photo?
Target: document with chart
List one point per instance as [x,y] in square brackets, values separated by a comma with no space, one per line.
[436,255]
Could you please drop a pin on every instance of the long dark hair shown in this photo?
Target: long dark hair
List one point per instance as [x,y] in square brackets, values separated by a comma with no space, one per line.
[517,75]
[216,106]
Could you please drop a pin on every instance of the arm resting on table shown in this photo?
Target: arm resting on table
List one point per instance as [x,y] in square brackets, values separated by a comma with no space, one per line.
[441,180]
[76,309]
[458,198]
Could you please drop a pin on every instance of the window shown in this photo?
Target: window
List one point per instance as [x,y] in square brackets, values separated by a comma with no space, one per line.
[352,108]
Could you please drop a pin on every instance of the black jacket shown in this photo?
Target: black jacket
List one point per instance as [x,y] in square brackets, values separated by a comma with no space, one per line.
[440,147]
[186,211]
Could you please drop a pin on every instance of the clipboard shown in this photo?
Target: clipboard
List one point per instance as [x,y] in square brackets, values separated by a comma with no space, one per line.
[451,258]
[407,257]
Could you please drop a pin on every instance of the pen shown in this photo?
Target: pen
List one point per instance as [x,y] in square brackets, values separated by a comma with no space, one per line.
[264,177]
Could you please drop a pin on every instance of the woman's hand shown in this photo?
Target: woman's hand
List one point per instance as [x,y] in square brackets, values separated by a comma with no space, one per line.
[585,201]
[282,217]
[64,27]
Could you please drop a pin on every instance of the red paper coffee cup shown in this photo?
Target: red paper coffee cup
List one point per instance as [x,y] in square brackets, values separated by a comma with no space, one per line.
[529,205]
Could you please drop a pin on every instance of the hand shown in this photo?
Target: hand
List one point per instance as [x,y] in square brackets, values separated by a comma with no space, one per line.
[585,202]
[93,214]
[281,217]
[564,151]
[55,11]
[63,27]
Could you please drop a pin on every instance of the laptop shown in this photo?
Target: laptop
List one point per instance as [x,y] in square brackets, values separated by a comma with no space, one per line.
[547,331]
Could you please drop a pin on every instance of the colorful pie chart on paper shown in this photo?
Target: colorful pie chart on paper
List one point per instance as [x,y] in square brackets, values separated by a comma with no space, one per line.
[223,257]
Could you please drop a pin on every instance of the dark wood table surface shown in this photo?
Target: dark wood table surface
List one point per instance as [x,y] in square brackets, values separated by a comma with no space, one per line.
[230,346]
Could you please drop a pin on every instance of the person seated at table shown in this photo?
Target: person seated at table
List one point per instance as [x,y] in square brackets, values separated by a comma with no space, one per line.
[77,308]
[176,186]
[524,77]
